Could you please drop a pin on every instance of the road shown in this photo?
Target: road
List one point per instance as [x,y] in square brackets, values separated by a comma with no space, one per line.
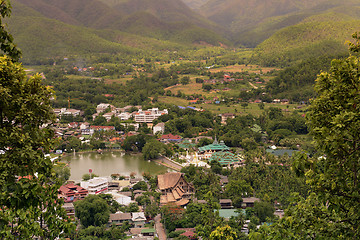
[159,228]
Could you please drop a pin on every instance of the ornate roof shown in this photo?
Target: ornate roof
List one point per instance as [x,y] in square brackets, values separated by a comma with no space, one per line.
[215,146]
[168,180]
[224,158]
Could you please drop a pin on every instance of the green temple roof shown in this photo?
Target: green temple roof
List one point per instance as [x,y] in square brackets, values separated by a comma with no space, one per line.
[224,158]
[215,146]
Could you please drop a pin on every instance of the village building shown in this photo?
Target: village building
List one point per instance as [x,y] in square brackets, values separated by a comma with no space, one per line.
[149,115]
[68,112]
[71,192]
[138,219]
[102,128]
[159,128]
[135,125]
[119,218]
[249,202]
[108,116]
[226,116]
[70,210]
[174,189]
[124,116]
[120,198]
[205,152]
[170,138]
[103,106]
[225,203]
[96,185]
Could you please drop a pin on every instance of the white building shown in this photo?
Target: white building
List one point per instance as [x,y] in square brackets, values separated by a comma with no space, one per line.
[160,127]
[108,116]
[103,106]
[121,198]
[64,111]
[149,115]
[124,116]
[96,185]
[138,218]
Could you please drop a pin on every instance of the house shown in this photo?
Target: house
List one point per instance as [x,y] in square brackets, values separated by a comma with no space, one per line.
[148,232]
[64,111]
[249,202]
[73,125]
[135,125]
[120,198]
[108,115]
[102,128]
[174,189]
[119,218]
[285,101]
[226,116]
[103,106]
[276,101]
[96,185]
[71,192]
[84,125]
[225,203]
[170,138]
[142,233]
[124,116]
[70,210]
[138,219]
[160,127]
[71,112]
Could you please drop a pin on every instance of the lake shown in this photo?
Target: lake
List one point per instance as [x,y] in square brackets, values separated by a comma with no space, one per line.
[108,163]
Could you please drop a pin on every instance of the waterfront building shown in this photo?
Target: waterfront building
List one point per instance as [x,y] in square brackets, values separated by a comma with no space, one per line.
[96,185]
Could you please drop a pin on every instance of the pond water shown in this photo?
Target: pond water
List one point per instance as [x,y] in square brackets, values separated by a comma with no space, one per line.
[108,163]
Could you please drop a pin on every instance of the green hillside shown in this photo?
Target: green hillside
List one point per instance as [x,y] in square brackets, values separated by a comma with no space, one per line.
[41,37]
[159,19]
[313,37]
[333,12]
[242,14]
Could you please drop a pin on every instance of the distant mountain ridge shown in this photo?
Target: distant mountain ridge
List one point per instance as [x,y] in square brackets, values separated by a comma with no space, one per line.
[263,24]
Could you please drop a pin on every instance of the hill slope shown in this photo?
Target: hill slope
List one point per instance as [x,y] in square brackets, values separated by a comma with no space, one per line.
[339,11]
[241,14]
[324,34]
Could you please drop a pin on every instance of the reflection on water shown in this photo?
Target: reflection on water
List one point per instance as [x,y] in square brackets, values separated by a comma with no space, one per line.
[111,162]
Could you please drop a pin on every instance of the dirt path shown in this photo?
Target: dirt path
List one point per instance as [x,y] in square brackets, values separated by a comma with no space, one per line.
[159,228]
[253,85]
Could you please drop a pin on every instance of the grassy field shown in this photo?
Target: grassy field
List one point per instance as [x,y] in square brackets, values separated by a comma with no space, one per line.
[243,68]
[237,109]
[122,80]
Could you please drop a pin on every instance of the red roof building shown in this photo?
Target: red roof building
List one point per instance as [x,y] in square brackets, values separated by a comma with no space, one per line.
[71,192]
[170,138]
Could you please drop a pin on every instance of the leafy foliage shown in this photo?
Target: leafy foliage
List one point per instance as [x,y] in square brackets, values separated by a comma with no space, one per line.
[28,205]
[92,211]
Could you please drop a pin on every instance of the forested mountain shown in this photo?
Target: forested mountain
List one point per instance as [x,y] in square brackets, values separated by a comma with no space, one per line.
[58,28]
[240,14]
[282,31]
[114,14]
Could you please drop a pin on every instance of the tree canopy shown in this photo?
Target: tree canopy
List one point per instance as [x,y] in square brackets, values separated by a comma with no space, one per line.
[331,209]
